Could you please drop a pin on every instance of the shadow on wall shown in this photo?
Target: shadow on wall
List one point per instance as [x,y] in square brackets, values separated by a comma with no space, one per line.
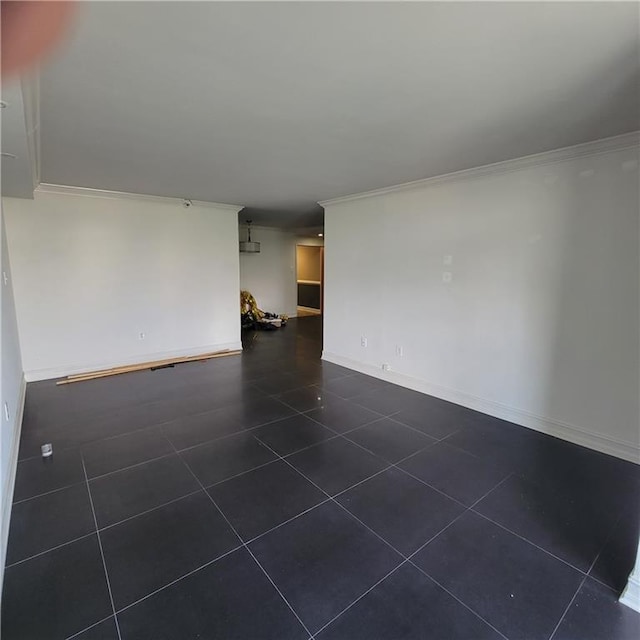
[578,502]
[590,516]
[597,292]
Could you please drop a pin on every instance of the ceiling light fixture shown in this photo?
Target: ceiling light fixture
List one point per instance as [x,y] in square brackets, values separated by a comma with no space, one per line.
[321,235]
[248,246]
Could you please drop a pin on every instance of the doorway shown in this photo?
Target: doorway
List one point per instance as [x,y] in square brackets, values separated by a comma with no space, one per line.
[310,279]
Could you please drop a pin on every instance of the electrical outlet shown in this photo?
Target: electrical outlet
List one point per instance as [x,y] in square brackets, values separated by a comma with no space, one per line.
[363,341]
[447,277]
[399,350]
[447,260]
[386,366]
[141,335]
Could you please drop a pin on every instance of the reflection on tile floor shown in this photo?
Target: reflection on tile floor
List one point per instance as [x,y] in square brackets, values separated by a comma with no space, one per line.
[273,495]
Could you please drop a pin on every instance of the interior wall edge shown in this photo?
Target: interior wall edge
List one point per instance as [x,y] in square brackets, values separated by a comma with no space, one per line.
[7,493]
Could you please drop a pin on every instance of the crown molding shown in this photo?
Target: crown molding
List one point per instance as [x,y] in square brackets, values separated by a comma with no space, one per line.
[60,189]
[262,227]
[597,147]
[30,86]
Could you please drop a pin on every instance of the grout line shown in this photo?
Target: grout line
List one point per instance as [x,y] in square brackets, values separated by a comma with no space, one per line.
[466,506]
[362,446]
[41,553]
[332,498]
[175,451]
[246,547]
[466,606]
[155,425]
[283,459]
[166,455]
[131,466]
[390,465]
[304,626]
[343,435]
[362,595]
[159,425]
[408,426]
[564,613]
[533,544]
[264,533]
[146,511]
[466,509]
[47,493]
[604,584]
[95,624]
[461,450]
[586,575]
[338,400]
[354,399]
[108,526]
[178,579]
[104,564]
[245,430]
[241,473]
[411,556]
[191,493]
[279,399]
[405,558]
[426,484]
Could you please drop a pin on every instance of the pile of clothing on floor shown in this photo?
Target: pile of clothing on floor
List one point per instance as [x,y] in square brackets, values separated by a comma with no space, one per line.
[251,317]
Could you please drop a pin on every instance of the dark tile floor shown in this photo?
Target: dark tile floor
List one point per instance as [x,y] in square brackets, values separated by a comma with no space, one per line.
[275,496]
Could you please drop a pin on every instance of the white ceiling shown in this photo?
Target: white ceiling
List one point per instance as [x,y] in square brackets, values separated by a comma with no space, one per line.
[277,106]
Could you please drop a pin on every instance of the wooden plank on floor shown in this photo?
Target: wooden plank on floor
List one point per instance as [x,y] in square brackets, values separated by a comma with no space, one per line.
[114,371]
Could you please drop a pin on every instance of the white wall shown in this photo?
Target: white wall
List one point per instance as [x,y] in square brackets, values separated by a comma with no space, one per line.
[92,272]
[11,392]
[271,274]
[540,322]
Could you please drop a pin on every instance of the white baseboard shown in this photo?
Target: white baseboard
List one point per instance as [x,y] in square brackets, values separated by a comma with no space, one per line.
[34,375]
[7,495]
[605,444]
[631,595]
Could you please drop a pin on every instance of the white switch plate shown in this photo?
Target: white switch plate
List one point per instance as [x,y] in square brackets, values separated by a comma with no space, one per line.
[141,335]
[363,341]
[5,278]
[399,350]
[447,260]
[447,276]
